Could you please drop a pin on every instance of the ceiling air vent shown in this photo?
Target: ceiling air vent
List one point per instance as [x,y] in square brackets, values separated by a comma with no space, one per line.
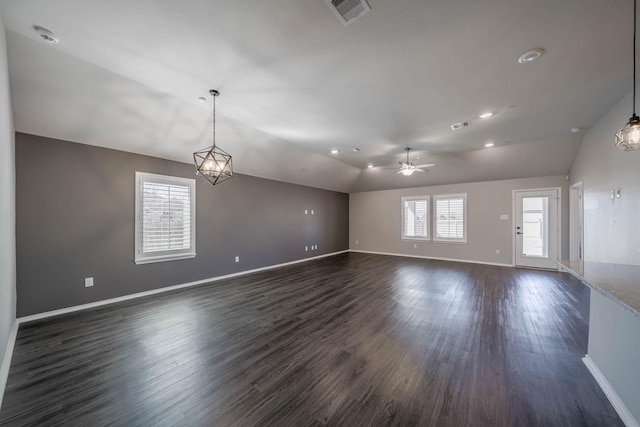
[348,11]
[460,125]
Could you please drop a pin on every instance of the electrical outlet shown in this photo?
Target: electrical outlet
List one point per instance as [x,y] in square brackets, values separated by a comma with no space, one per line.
[306,248]
[356,242]
[88,282]
[415,246]
[312,212]
[503,216]
[237,259]
[497,251]
[306,212]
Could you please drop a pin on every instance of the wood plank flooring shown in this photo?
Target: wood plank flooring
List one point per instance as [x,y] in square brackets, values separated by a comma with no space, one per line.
[350,340]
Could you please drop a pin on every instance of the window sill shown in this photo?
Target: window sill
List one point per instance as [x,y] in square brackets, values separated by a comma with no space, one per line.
[163,258]
[455,242]
[419,239]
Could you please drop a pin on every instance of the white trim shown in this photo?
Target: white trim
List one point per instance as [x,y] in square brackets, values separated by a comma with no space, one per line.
[75,308]
[6,360]
[467,261]
[617,403]
[576,222]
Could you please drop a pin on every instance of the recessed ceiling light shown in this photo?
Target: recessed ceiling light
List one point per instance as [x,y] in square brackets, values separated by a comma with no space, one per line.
[574,130]
[530,55]
[355,150]
[202,99]
[489,144]
[45,34]
[369,166]
[486,115]
[334,151]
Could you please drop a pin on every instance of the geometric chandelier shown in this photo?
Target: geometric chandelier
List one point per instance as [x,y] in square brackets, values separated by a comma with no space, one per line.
[213,163]
[628,138]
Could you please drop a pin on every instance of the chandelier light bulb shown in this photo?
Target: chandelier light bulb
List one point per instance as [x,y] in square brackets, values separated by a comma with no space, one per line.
[634,134]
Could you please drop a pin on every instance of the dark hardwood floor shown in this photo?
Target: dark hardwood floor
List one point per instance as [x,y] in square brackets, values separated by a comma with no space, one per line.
[349,340]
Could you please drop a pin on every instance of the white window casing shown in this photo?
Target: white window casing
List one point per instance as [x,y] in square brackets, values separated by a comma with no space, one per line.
[450,218]
[165,218]
[415,218]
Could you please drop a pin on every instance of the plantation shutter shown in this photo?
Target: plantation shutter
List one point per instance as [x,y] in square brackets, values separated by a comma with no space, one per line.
[165,218]
[450,218]
[415,215]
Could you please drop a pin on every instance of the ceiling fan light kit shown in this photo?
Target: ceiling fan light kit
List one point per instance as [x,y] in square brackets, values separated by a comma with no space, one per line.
[628,138]
[407,168]
[213,163]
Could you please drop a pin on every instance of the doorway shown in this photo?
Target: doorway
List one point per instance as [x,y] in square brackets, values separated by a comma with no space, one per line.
[537,228]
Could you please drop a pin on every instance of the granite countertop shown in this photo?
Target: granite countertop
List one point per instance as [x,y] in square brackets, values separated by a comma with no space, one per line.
[619,281]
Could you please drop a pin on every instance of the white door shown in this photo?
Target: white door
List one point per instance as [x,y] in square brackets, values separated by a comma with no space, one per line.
[537,228]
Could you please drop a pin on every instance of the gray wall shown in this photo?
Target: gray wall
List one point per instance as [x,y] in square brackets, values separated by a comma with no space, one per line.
[611,227]
[75,219]
[375,220]
[7,206]
[611,234]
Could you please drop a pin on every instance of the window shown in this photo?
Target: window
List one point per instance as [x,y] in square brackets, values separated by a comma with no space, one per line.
[165,218]
[415,218]
[450,218]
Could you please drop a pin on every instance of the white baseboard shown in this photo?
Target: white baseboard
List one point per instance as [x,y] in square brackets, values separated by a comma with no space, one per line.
[6,360]
[66,310]
[617,403]
[434,258]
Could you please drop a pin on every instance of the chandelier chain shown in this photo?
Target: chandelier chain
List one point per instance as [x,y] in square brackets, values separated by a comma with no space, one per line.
[214,119]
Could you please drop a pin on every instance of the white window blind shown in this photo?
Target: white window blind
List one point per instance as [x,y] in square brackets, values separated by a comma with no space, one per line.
[165,218]
[415,218]
[450,218]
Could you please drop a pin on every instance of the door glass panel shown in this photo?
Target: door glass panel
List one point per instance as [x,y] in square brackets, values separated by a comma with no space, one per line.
[535,226]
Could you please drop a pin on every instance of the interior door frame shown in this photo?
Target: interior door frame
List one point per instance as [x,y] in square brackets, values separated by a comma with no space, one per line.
[513,221]
[576,222]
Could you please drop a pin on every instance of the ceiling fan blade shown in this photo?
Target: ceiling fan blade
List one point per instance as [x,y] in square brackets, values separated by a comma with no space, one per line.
[426,165]
[419,170]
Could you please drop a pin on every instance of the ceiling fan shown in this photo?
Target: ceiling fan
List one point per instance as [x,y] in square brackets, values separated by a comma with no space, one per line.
[407,168]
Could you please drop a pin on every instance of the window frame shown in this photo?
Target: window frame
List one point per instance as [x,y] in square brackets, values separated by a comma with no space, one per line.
[403,235]
[166,255]
[437,197]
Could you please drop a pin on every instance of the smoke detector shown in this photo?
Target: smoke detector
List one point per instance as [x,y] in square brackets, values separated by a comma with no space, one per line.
[45,34]
[348,11]
[457,126]
[531,55]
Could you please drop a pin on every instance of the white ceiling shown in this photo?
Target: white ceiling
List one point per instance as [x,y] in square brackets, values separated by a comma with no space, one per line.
[295,83]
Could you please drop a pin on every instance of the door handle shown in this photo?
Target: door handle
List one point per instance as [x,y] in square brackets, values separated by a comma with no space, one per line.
[519,232]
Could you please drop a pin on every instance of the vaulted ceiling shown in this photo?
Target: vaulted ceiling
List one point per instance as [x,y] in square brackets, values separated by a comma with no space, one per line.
[296,83]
